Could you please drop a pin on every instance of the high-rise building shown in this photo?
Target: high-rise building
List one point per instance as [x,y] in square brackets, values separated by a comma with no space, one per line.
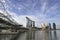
[54,26]
[33,23]
[30,23]
[50,25]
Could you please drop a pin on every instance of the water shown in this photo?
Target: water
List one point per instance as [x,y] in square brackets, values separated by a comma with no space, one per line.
[34,35]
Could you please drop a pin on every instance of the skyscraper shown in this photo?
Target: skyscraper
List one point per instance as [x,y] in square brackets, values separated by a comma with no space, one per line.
[33,23]
[50,25]
[54,26]
[30,23]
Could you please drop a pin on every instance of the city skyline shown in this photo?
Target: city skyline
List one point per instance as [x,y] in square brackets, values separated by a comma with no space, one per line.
[37,10]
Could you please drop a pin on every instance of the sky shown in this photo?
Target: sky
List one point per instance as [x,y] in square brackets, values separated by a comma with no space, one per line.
[40,11]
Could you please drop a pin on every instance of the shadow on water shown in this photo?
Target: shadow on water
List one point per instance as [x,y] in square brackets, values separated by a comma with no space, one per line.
[5,37]
[16,36]
[32,35]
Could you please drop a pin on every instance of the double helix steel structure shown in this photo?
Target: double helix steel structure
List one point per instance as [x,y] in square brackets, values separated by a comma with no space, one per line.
[5,18]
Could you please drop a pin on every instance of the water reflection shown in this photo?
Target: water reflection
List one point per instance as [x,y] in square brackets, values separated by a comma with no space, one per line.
[55,35]
[49,35]
[32,35]
[45,35]
[6,37]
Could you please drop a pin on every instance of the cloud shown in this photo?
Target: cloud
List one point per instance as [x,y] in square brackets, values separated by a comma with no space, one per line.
[2,0]
[37,15]
[21,19]
[44,6]
[52,9]
[18,18]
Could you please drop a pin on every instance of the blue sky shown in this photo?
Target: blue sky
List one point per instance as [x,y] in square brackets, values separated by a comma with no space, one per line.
[37,10]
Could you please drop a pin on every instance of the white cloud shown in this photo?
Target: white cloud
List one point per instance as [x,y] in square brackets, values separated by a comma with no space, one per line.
[39,18]
[44,6]
[2,0]
[52,9]
[21,19]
